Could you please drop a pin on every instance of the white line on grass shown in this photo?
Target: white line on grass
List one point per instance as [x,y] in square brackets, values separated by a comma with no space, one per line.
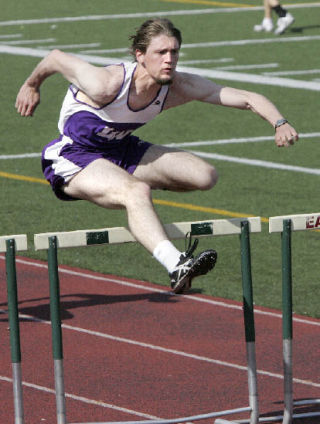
[20,156]
[237,140]
[166,13]
[28,51]
[102,51]
[123,16]
[71,46]
[200,61]
[256,162]
[215,74]
[247,42]
[220,142]
[188,144]
[8,36]
[12,43]
[252,66]
[252,78]
[226,43]
[303,72]
[226,158]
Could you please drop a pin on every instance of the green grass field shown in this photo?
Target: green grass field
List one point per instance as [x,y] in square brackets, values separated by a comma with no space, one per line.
[30,207]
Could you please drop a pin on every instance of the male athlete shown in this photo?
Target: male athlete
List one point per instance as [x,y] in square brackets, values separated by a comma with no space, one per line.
[97,159]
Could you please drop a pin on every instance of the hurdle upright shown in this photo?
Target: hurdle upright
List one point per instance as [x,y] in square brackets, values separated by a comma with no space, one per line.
[285,225]
[9,245]
[220,227]
[249,326]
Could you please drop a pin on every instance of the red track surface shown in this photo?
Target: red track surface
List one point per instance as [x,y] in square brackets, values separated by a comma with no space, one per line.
[134,361]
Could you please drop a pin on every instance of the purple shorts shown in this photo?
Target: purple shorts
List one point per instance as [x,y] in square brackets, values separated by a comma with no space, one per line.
[62,158]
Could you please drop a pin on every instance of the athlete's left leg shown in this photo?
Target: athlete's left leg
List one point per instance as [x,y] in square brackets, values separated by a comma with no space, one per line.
[165,168]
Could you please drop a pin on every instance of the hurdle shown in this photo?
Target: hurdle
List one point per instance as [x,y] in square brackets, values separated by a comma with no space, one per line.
[9,245]
[220,227]
[286,225]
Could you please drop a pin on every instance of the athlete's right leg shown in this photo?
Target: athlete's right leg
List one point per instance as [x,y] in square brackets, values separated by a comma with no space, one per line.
[109,186]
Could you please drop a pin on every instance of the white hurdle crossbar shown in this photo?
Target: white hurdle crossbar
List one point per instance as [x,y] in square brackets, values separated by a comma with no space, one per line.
[219,227]
[20,242]
[285,225]
[300,222]
[176,230]
[9,245]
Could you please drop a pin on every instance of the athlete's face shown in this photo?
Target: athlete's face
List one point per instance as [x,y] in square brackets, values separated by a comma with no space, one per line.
[160,59]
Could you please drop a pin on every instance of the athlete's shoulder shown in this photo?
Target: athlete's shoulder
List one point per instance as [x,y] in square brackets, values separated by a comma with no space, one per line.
[188,86]
[115,75]
[182,89]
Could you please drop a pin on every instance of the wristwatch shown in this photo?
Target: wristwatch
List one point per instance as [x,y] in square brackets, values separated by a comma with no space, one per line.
[280,122]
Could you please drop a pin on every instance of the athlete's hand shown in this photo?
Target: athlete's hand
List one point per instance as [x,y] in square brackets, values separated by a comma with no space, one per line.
[285,135]
[27,100]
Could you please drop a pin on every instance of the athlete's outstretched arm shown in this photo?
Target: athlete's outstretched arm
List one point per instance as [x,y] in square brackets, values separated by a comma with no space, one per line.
[96,82]
[193,87]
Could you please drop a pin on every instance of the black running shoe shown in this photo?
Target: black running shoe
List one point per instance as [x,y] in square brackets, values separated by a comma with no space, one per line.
[189,267]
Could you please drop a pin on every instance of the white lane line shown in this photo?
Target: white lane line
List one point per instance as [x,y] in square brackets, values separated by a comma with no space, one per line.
[215,74]
[20,156]
[238,140]
[188,144]
[103,51]
[252,78]
[221,142]
[226,43]
[252,66]
[19,42]
[82,399]
[28,51]
[252,41]
[302,72]
[256,162]
[226,158]
[8,36]
[71,46]
[166,13]
[200,61]
[124,16]
[121,16]
[167,350]
[212,302]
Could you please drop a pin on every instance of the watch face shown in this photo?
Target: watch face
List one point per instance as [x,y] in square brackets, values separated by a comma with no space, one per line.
[280,122]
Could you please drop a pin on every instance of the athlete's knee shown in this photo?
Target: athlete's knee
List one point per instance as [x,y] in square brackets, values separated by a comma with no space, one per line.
[207,178]
[138,192]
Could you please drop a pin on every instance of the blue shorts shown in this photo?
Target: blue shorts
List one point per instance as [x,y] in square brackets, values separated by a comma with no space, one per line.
[63,158]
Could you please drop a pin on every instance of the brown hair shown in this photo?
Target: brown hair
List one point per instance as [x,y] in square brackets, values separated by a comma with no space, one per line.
[150,29]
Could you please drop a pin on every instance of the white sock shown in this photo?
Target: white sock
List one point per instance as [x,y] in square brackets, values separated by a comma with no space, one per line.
[267,21]
[167,254]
